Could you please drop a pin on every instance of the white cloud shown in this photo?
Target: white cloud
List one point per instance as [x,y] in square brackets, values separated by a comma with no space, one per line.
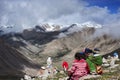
[30,13]
[61,35]
[27,13]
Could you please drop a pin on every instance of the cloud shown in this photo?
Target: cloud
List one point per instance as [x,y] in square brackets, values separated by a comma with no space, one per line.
[28,13]
[85,14]
[61,35]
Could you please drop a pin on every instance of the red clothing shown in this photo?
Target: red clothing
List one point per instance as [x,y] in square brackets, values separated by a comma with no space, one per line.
[65,65]
[79,68]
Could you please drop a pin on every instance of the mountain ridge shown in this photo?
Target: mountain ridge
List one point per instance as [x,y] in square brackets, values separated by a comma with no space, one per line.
[40,45]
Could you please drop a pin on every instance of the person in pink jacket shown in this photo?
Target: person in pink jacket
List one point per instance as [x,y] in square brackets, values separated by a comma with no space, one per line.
[79,67]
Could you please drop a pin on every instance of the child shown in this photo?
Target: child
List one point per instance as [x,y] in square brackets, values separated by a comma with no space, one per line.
[79,67]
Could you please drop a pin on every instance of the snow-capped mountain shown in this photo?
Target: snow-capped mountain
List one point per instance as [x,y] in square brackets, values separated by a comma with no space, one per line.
[91,24]
[87,24]
[6,29]
[48,27]
[77,27]
[54,27]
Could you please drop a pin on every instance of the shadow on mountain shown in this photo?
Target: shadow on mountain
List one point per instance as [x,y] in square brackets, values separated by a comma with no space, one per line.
[12,62]
[17,39]
[14,39]
[39,37]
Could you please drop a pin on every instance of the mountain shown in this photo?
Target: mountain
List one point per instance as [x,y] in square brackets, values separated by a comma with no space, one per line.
[83,38]
[66,47]
[91,24]
[78,27]
[13,63]
[37,44]
[48,27]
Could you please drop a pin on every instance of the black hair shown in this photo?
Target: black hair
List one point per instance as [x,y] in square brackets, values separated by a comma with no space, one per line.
[79,56]
[87,50]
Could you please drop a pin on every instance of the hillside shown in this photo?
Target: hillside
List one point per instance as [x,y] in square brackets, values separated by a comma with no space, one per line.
[40,45]
[78,41]
[13,63]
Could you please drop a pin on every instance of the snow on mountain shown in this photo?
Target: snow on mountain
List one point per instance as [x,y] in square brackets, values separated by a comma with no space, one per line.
[91,24]
[77,27]
[48,27]
[87,24]
[6,29]
[51,27]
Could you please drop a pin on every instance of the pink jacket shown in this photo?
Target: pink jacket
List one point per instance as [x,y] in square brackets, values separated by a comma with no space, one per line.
[79,68]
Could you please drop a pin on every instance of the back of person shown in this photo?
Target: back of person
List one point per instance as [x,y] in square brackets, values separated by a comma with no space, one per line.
[94,61]
[79,68]
[98,61]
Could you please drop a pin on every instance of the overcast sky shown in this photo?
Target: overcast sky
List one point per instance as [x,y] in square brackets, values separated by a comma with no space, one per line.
[28,13]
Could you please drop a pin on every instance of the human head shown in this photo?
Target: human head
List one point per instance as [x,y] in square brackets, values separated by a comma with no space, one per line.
[96,50]
[79,56]
[88,51]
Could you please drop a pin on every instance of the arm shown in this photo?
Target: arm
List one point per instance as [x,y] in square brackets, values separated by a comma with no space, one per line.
[71,70]
[87,68]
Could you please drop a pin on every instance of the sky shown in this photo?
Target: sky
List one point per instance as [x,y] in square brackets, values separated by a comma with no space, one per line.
[24,14]
[113,5]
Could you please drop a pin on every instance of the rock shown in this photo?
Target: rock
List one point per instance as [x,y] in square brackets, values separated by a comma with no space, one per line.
[114,66]
[104,60]
[112,61]
[89,76]
[27,77]
[62,72]
[105,65]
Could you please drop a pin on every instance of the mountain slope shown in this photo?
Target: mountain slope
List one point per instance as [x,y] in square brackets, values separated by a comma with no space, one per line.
[78,41]
[38,46]
[13,63]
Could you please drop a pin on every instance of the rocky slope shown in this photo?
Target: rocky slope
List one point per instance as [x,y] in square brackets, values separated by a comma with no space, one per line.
[13,63]
[39,45]
[77,41]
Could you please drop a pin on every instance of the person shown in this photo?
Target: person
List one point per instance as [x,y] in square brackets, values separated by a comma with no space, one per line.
[98,61]
[94,61]
[79,67]
[65,65]
[97,57]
